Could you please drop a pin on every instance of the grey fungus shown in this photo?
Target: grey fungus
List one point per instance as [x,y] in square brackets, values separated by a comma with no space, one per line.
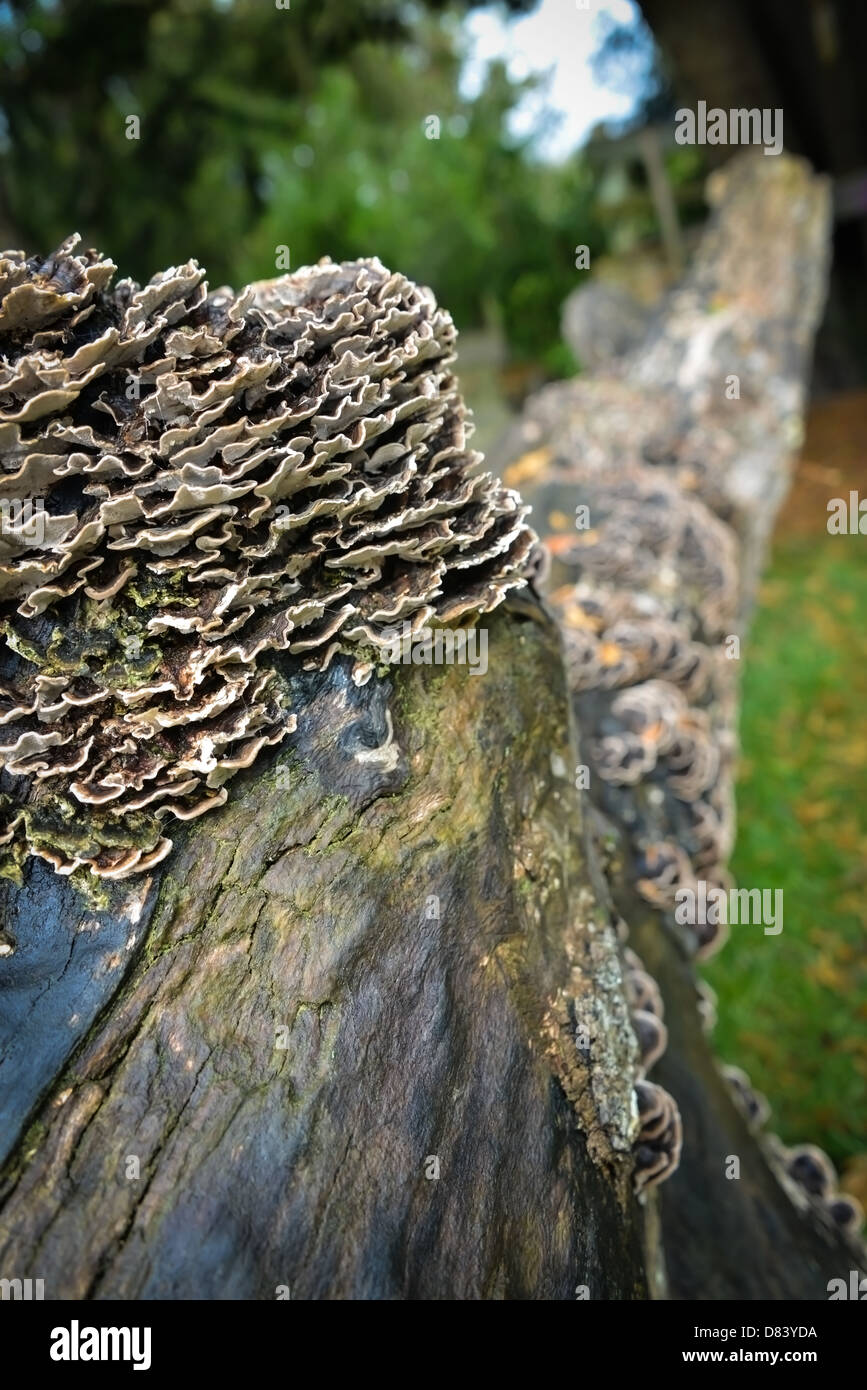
[642,991]
[225,481]
[656,1151]
[846,1212]
[805,1170]
[645,1009]
[647,596]
[660,557]
[811,1168]
[652,1036]
[751,1103]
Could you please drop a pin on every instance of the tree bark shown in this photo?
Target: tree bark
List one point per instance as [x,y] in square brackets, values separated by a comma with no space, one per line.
[333,1047]
[662,415]
[332,993]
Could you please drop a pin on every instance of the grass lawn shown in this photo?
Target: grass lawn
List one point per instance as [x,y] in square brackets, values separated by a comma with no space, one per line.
[793,1007]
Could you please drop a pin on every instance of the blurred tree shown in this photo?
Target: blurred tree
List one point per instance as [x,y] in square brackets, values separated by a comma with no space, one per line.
[259,127]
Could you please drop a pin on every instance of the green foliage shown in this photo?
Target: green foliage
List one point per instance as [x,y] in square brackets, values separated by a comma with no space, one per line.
[262,127]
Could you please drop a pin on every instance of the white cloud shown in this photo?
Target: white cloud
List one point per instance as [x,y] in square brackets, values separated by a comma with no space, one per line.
[558,40]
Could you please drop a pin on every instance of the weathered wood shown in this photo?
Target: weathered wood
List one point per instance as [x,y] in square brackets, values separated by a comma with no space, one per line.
[724,1238]
[332,1044]
[338,982]
[660,424]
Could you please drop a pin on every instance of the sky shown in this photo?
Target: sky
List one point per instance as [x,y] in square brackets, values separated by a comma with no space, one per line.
[557,39]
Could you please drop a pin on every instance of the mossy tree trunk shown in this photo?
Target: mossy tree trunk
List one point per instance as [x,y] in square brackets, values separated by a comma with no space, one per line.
[333,1052]
[330,1047]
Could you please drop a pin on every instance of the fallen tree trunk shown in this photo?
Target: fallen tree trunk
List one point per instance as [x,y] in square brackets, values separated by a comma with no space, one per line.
[673,462]
[368,1032]
[327,1061]
[360,1030]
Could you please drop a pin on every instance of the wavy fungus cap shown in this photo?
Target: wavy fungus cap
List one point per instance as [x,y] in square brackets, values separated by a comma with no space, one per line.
[192,484]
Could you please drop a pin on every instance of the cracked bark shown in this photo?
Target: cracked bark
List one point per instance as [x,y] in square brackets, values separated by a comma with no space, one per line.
[373,957]
[323,988]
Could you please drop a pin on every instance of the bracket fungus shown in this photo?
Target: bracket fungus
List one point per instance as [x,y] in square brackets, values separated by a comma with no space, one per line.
[805,1171]
[657,1148]
[647,598]
[810,1167]
[223,479]
[812,1170]
[644,998]
[752,1104]
[846,1212]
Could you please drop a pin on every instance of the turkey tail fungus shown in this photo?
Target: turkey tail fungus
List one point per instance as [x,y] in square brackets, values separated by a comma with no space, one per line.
[219,479]
[322,971]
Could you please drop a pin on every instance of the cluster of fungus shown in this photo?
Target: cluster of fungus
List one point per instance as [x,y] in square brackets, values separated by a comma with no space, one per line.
[805,1167]
[646,1010]
[193,486]
[646,598]
[751,1103]
[645,595]
[676,459]
[613,425]
[657,1147]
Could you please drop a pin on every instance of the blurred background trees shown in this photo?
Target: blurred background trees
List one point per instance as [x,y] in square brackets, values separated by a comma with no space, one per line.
[305,127]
